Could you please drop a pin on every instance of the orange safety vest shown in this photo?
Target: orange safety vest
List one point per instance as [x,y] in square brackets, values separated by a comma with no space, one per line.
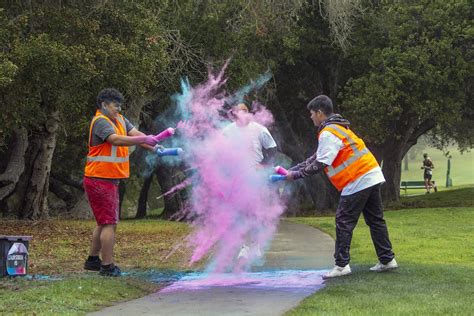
[106,160]
[353,160]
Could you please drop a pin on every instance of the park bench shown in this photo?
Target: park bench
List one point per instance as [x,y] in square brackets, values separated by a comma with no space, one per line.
[405,185]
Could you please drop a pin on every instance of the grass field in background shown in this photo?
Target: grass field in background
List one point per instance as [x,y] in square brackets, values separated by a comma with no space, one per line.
[434,248]
[462,167]
[452,197]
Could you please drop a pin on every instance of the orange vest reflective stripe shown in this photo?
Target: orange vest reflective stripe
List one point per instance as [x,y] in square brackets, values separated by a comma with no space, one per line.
[106,160]
[352,161]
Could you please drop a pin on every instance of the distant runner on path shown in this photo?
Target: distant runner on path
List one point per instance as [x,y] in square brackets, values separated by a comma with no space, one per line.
[428,167]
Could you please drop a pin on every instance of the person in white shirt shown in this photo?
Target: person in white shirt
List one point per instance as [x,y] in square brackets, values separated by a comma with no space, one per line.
[260,144]
[263,145]
[354,171]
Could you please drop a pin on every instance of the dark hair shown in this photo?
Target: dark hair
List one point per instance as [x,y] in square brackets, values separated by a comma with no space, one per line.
[233,102]
[321,102]
[230,104]
[247,103]
[109,95]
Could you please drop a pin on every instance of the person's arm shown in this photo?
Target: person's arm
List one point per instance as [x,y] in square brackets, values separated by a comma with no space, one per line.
[303,164]
[132,131]
[120,140]
[269,156]
[269,146]
[328,148]
[103,130]
[135,132]
[310,169]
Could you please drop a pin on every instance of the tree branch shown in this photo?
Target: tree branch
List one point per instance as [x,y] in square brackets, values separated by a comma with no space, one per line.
[420,130]
[67,180]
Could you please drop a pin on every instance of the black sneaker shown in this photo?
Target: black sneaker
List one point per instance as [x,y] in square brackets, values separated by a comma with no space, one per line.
[92,265]
[110,270]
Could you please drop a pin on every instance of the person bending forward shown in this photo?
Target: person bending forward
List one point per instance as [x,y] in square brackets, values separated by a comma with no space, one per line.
[354,171]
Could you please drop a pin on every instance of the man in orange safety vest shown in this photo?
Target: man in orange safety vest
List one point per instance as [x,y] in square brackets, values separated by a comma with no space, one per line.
[110,135]
[354,171]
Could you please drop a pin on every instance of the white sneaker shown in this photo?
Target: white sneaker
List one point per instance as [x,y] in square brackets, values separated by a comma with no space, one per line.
[337,272]
[244,252]
[380,267]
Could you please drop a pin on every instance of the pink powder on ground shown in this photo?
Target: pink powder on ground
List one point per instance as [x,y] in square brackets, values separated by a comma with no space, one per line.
[286,279]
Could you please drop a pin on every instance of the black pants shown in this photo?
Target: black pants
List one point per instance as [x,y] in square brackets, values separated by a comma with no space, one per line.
[369,202]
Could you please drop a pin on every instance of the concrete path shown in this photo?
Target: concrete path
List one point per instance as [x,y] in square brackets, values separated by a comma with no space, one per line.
[291,272]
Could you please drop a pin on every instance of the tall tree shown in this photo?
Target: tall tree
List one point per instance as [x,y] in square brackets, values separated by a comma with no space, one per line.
[62,55]
[417,79]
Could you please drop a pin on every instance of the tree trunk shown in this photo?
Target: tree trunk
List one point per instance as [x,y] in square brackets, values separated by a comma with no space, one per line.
[67,180]
[35,205]
[377,151]
[82,209]
[173,202]
[135,107]
[143,198]
[14,169]
[392,169]
[324,194]
[405,163]
[10,180]
[122,190]
[296,134]
[314,189]
[57,187]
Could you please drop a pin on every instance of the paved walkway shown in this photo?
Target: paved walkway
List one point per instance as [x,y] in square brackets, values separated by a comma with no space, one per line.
[291,272]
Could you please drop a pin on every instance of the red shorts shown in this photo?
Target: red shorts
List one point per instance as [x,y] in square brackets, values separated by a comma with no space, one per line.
[103,196]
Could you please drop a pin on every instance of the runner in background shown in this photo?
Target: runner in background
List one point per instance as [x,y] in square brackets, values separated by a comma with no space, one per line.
[428,167]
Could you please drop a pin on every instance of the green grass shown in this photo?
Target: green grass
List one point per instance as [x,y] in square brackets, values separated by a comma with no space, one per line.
[434,248]
[156,212]
[59,248]
[462,168]
[72,295]
[454,197]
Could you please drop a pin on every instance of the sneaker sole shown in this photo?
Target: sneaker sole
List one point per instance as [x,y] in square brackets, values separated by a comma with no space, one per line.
[332,277]
[385,270]
[96,269]
[92,270]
